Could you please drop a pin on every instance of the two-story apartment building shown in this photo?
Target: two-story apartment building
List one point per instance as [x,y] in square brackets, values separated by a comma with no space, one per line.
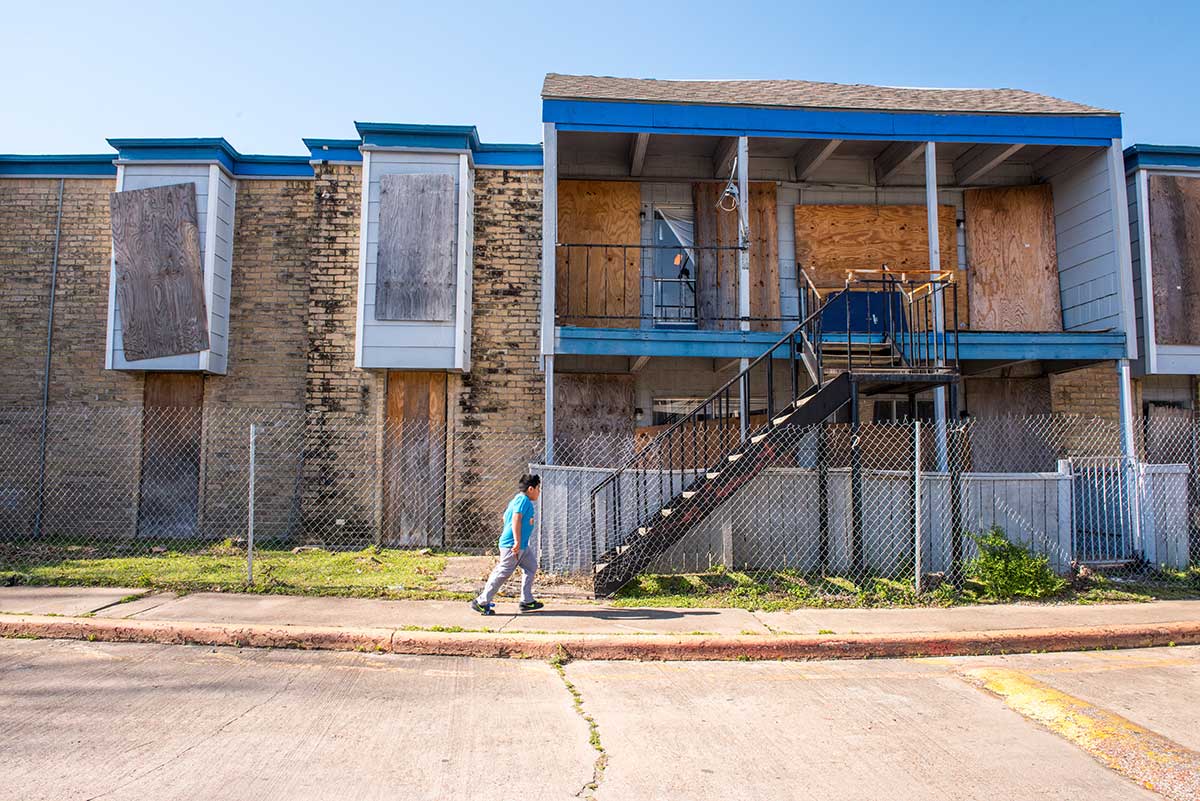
[970,247]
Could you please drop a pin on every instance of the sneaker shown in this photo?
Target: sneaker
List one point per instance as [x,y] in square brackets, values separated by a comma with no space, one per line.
[531,606]
[481,608]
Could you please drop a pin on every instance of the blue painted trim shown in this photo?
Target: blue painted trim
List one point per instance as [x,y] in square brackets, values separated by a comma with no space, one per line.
[214,149]
[98,165]
[1137,156]
[334,149]
[581,115]
[495,155]
[392,134]
[974,345]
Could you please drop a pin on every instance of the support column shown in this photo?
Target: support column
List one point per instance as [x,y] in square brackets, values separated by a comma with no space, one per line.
[743,179]
[549,240]
[939,312]
[1129,450]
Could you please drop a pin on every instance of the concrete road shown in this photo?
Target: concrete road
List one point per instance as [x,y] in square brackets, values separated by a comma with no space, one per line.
[85,720]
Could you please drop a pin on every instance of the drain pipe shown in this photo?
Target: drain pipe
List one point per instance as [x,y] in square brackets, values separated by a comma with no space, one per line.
[41,495]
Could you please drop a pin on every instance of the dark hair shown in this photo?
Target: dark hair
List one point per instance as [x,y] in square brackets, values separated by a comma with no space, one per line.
[529,481]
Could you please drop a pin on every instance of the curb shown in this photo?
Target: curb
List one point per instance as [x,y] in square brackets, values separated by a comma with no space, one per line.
[653,647]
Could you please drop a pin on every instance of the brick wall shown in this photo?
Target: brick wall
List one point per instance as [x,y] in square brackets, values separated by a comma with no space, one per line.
[1090,392]
[496,410]
[342,454]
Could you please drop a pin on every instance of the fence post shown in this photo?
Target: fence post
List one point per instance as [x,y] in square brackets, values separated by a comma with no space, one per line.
[250,510]
[918,554]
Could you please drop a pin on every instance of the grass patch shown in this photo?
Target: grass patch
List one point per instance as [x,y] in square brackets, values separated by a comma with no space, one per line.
[370,572]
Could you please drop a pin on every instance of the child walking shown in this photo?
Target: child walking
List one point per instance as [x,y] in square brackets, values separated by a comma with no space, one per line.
[515,549]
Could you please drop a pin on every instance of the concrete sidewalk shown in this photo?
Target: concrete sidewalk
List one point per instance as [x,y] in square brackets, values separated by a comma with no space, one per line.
[597,629]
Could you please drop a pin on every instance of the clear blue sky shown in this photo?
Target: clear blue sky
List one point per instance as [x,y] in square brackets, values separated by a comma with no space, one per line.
[263,75]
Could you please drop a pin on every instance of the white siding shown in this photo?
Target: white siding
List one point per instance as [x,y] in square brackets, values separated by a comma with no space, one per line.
[401,344]
[1088,264]
[144,176]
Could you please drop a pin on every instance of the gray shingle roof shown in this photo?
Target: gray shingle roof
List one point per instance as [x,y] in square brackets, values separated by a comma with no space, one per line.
[811,94]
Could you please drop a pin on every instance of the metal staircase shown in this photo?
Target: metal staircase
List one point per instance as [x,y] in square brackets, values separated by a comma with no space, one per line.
[879,333]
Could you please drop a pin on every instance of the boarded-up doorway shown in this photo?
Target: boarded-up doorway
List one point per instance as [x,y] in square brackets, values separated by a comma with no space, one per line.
[172,412]
[414,462]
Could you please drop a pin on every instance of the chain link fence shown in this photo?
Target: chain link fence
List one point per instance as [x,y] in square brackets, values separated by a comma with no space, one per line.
[901,502]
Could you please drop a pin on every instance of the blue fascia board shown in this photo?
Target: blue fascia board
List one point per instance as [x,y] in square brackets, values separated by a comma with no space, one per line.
[973,345]
[1137,156]
[334,149]
[215,149]
[391,134]
[83,165]
[499,155]
[585,115]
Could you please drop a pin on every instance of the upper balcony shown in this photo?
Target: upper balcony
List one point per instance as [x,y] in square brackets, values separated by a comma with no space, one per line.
[683,214]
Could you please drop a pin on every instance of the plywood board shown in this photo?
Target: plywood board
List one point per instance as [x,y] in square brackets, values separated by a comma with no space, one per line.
[1175,258]
[414,274]
[717,271]
[414,469]
[159,273]
[832,240]
[171,435]
[1013,259]
[599,286]
[995,444]
[764,258]
[592,403]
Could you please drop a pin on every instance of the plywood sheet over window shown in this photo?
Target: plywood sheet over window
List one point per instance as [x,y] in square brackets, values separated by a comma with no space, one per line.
[597,281]
[717,270]
[587,404]
[1014,273]
[159,274]
[1175,258]
[414,479]
[414,275]
[832,240]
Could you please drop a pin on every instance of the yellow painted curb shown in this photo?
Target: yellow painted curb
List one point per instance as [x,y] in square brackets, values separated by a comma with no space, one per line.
[1146,757]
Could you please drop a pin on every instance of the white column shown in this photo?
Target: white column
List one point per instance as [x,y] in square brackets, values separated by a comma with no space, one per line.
[939,312]
[549,240]
[743,178]
[1129,448]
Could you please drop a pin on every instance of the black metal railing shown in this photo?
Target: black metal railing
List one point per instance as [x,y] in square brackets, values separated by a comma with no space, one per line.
[602,284]
[875,320]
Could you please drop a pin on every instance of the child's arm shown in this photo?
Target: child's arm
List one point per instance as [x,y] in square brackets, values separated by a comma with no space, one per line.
[516,530]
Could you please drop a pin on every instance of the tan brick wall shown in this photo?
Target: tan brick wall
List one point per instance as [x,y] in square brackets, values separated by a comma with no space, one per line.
[341,478]
[496,410]
[1090,392]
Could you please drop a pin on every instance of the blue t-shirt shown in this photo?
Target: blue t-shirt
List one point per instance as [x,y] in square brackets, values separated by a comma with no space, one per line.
[520,504]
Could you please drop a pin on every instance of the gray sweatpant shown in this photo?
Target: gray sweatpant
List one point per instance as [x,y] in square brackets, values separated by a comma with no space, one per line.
[508,564]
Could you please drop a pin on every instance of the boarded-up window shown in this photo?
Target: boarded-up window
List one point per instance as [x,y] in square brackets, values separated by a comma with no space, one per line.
[172,412]
[414,278]
[597,272]
[160,278]
[592,403]
[1014,274]
[1175,258]
[717,270]
[832,240]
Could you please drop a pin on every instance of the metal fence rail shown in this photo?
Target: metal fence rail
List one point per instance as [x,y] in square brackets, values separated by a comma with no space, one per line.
[897,501]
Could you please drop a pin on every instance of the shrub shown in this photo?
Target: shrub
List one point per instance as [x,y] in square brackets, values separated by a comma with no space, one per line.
[1005,570]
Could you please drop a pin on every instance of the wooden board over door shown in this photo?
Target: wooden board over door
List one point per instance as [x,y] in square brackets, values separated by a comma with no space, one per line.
[159,275]
[832,240]
[717,271]
[592,283]
[415,262]
[172,412]
[414,459]
[1013,258]
[1175,258]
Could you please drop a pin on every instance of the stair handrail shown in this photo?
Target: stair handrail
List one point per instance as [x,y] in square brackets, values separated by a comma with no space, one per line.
[663,435]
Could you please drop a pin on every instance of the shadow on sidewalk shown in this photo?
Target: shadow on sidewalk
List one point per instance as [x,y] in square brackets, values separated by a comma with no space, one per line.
[625,614]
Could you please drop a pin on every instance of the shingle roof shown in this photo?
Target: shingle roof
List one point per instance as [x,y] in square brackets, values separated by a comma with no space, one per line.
[811,94]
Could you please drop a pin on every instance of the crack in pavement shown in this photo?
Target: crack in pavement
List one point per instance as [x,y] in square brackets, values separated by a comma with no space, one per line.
[588,790]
